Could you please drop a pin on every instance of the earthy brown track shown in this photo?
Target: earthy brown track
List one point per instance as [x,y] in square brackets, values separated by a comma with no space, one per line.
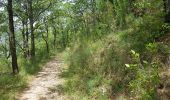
[41,88]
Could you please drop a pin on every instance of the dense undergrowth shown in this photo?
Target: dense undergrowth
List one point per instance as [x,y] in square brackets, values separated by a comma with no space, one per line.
[125,63]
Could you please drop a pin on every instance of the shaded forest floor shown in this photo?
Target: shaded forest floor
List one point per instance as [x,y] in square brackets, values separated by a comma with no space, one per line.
[43,86]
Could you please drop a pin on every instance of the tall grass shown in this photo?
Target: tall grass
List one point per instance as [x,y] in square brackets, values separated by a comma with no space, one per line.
[96,69]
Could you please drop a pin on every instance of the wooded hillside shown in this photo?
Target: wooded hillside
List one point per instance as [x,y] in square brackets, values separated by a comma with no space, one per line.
[113,49]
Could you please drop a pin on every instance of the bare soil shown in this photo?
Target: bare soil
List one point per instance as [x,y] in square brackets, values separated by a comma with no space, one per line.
[43,86]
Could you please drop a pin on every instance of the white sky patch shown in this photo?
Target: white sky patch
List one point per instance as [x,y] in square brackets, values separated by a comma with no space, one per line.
[1,9]
[68,1]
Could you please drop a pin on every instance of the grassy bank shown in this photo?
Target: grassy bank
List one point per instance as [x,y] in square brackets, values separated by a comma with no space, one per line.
[11,85]
[116,66]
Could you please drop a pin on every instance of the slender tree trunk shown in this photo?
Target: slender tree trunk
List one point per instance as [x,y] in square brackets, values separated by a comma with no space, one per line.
[93,2]
[47,45]
[46,42]
[94,17]
[31,28]
[24,39]
[46,38]
[167,10]
[55,36]
[27,39]
[164,1]
[12,38]
[25,2]
[27,33]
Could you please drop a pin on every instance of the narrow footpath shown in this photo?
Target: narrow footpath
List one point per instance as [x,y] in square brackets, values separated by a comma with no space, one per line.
[43,87]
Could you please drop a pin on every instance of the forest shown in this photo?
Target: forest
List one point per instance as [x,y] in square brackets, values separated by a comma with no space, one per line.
[84,49]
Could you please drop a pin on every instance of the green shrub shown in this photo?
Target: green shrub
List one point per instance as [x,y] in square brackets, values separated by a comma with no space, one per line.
[145,78]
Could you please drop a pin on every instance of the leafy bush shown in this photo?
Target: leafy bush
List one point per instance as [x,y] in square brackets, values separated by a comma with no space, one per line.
[145,78]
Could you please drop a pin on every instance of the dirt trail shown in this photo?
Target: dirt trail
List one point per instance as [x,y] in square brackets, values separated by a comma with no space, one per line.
[42,87]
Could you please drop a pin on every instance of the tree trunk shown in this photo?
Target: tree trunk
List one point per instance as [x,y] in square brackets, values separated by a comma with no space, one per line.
[12,43]
[93,2]
[27,39]
[167,10]
[26,28]
[31,28]
[55,36]
[24,39]
[46,42]
[46,37]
